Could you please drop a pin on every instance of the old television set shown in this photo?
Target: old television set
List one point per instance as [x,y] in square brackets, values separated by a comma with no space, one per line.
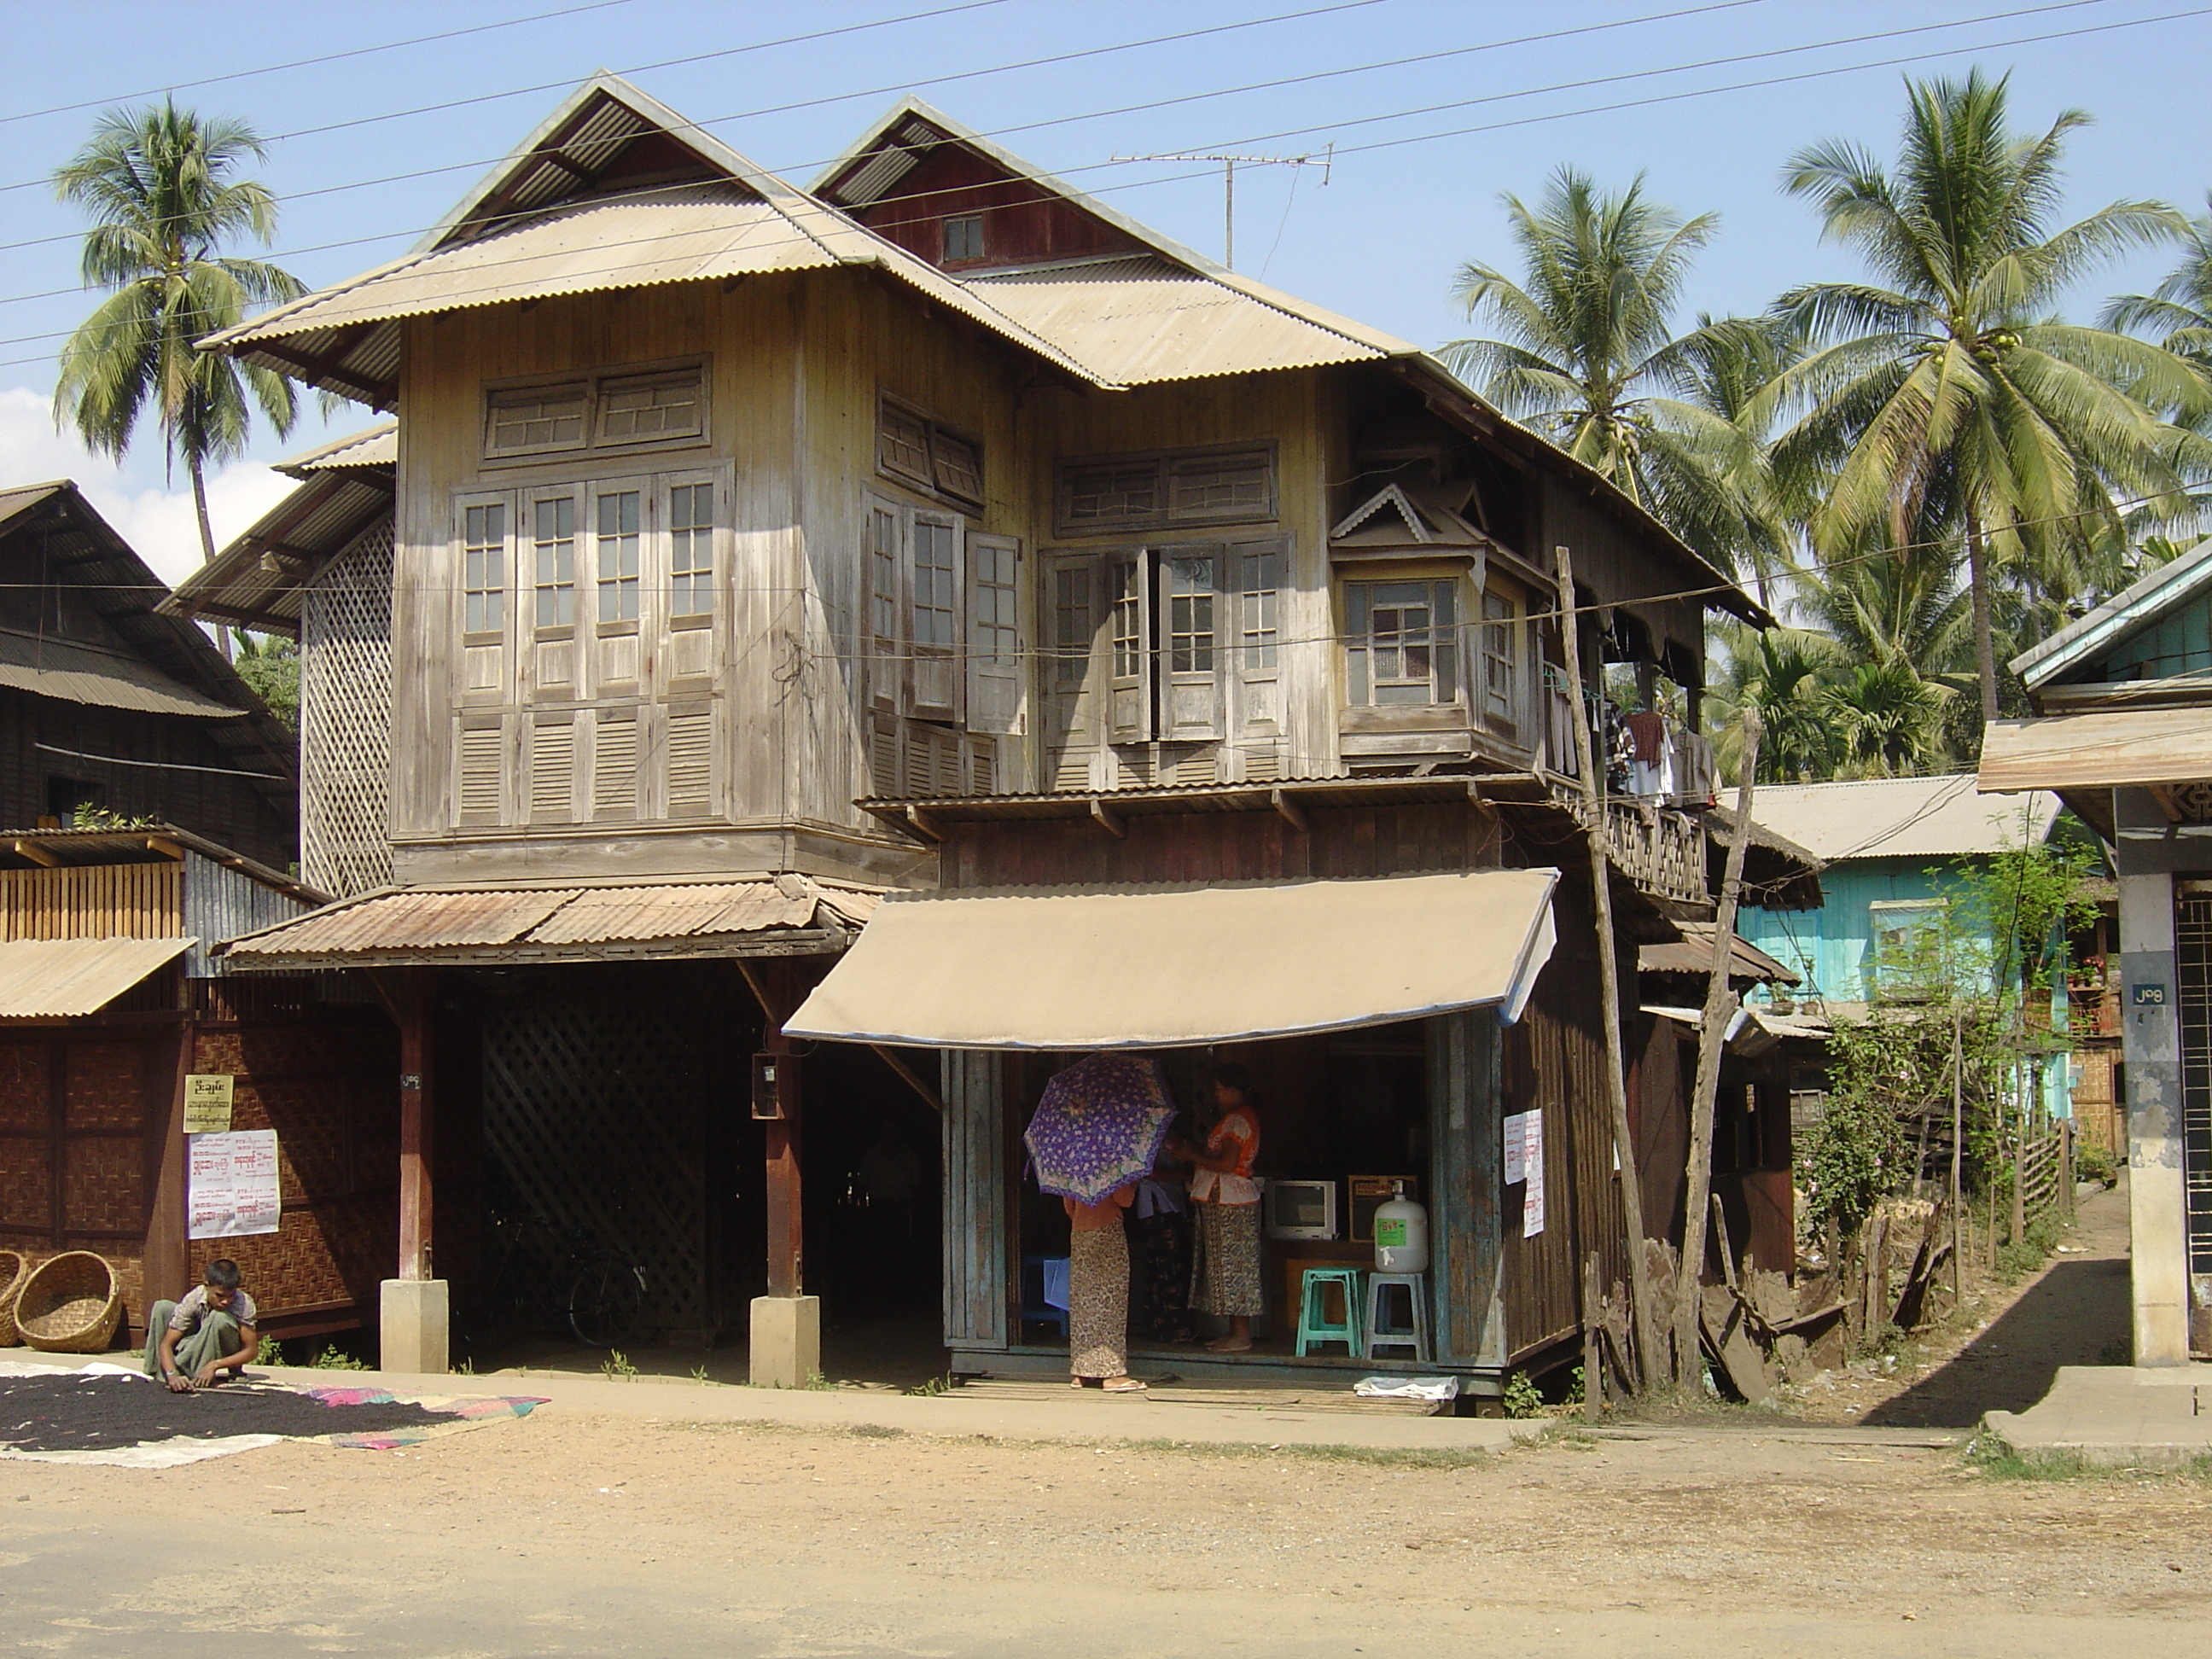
[1300,1209]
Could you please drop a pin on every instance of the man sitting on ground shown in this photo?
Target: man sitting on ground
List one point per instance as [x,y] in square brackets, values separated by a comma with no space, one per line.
[190,1344]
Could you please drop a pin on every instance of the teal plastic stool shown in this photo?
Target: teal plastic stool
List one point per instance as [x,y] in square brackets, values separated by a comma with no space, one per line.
[1314,1325]
[1414,1332]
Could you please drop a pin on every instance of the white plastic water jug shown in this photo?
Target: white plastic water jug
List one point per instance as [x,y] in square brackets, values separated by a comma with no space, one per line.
[1402,1235]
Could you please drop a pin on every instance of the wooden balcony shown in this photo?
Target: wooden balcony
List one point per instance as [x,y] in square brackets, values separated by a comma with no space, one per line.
[1658,842]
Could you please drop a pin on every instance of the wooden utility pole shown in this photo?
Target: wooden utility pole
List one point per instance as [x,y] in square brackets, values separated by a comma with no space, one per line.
[1648,1362]
[1592,1350]
[1958,1147]
[1720,1005]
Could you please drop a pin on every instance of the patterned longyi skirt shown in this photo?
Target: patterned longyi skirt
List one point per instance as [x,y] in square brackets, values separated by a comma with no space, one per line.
[1225,1277]
[1098,1303]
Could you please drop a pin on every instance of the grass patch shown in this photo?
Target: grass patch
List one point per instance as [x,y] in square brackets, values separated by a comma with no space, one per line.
[1387,1457]
[1989,1456]
[876,1432]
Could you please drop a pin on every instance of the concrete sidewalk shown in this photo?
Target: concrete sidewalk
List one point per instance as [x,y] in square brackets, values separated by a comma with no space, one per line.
[2117,1414]
[1083,1417]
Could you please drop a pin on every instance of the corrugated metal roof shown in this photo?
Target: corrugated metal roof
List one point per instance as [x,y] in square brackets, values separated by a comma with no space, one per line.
[314,523]
[1901,818]
[1134,321]
[375,446]
[1694,955]
[2104,749]
[64,978]
[2139,604]
[104,679]
[425,921]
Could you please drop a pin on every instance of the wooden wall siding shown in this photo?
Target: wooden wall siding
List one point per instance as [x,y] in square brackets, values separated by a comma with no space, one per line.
[1661,1064]
[345,711]
[1345,842]
[1467,1263]
[327,1080]
[1612,562]
[93,901]
[1554,1060]
[220,903]
[977,1247]
[1022,223]
[224,809]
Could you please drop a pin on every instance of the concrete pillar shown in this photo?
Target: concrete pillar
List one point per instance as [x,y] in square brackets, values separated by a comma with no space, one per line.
[2157,1211]
[414,1327]
[786,1341]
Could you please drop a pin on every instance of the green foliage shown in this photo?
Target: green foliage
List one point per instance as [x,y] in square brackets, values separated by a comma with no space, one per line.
[1523,1397]
[88,816]
[2093,1162]
[335,1358]
[616,1367]
[269,664]
[269,1352]
[1854,1157]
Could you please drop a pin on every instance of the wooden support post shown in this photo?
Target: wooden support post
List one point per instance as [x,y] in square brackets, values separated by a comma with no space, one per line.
[1958,1148]
[1720,1005]
[1593,1350]
[2066,1167]
[168,1254]
[774,984]
[1608,974]
[416,1107]
[2019,1176]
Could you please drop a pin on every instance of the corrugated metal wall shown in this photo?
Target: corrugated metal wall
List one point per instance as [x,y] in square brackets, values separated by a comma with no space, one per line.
[220,903]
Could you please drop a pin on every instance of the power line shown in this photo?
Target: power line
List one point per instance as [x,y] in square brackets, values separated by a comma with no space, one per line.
[1397,115]
[310,63]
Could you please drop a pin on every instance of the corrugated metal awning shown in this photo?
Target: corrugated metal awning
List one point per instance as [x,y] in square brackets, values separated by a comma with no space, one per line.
[2099,750]
[1694,955]
[494,927]
[62,978]
[1152,968]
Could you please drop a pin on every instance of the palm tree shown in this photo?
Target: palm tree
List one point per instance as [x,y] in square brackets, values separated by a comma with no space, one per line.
[1943,394]
[1783,670]
[155,182]
[1590,360]
[2178,312]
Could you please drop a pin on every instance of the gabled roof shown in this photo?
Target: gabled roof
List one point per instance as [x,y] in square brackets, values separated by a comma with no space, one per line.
[1391,518]
[346,489]
[1902,818]
[176,665]
[2137,606]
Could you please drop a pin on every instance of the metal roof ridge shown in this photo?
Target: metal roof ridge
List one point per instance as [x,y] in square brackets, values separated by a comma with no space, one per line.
[2140,602]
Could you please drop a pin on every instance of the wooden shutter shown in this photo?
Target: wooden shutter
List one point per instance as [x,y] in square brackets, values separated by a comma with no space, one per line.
[1358,627]
[933,756]
[1129,646]
[690,761]
[1188,655]
[885,625]
[932,611]
[1073,671]
[479,779]
[883,755]
[553,769]
[1446,642]
[614,766]
[1260,571]
[997,678]
[903,444]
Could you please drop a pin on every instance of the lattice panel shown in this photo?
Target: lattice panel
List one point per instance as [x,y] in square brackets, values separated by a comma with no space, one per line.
[345,710]
[596,1113]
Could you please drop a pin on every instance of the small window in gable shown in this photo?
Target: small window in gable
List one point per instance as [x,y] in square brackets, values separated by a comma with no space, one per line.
[911,447]
[964,238]
[537,420]
[650,408]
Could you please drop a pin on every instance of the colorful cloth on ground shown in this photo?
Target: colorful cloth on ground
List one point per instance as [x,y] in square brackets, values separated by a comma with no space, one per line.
[1237,1135]
[186,1315]
[1159,1277]
[463,1411]
[1098,1303]
[1225,1279]
[1098,1126]
[212,1335]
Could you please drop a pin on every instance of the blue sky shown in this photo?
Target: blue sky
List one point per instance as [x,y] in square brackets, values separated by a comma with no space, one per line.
[1411,193]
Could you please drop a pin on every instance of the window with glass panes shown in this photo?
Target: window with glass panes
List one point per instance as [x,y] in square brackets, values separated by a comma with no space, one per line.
[1501,658]
[691,550]
[995,629]
[1401,642]
[963,237]
[553,560]
[1261,584]
[617,543]
[935,590]
[1126,624]
[1190,615]
[483,568]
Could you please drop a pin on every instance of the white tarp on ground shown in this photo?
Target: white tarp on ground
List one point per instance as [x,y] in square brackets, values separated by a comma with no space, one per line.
[1171,967]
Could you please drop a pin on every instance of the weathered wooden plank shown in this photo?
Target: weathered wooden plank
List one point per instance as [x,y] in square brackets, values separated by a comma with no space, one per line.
[975,1198]
[1464,1129]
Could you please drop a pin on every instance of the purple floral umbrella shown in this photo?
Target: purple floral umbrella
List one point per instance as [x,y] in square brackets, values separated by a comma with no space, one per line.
[1099,1127]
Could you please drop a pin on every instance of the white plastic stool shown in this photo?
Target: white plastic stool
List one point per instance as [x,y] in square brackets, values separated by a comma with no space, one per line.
[1416,1286]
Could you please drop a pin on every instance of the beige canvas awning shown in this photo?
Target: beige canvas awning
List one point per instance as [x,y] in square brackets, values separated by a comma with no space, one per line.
[2101,750]
[61,978]
[1171,967]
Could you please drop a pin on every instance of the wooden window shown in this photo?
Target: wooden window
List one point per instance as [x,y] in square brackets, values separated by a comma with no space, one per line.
[1905,949]
[1189,689]
[617,545]
[913,447]
[1072,626]
[932,621]
[887,669]
[691,550]
[552,770]
[478,774]
[1186,487]
[553,560]
[1129,642]
[650,408]
[995,676]
[1261,592]
[1501,637]
[1401,642]
[537,420]
[483,568]
[963,237]
[614,765]
[690,762]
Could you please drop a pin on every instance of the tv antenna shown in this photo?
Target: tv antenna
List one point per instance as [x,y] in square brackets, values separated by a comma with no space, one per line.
[1326,161]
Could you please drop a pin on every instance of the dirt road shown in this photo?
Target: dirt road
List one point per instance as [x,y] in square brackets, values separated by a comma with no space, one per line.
[574,1535]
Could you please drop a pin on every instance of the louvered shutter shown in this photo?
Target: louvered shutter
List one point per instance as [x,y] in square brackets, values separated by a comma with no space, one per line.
[614,766]
[479,776]
[690,761]
[553,769]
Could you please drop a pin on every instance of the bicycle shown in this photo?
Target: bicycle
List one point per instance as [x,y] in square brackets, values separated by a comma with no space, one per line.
[544,1275]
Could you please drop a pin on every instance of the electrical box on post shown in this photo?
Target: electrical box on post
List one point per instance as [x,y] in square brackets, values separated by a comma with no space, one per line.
[767,1101]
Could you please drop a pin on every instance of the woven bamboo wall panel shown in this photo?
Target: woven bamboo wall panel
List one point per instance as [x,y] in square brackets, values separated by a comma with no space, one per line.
[104,1185]
[106,1085]
[27,1188]
[25,1102]
[291,1268]
[310,1121]
[97,901]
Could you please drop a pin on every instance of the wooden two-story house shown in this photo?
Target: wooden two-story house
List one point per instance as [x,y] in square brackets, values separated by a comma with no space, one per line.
[939,530]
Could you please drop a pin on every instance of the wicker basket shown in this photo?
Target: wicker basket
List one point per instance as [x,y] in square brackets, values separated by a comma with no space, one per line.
[11,1280]
[70,1303]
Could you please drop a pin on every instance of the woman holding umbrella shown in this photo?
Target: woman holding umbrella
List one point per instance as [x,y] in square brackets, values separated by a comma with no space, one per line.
[1094,1133]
